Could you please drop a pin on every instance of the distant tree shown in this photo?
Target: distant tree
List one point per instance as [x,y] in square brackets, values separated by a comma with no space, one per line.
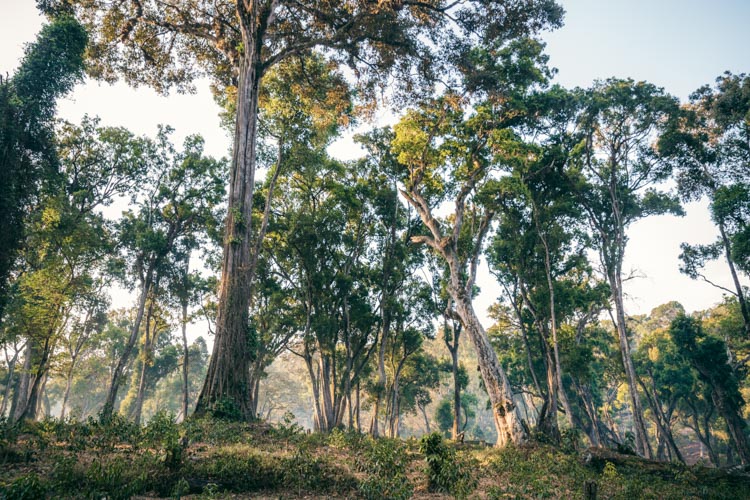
[708,356]
[184,190]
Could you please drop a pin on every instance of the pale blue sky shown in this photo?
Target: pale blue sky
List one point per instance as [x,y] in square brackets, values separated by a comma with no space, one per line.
[679,45]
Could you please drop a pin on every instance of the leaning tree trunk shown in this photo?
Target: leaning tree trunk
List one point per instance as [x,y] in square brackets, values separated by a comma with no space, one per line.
[508,423]
[641,436]
[227,378]
[735,279]
[31,405]
[122,362]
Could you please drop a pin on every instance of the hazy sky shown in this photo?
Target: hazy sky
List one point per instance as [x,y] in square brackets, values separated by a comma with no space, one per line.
[677,44]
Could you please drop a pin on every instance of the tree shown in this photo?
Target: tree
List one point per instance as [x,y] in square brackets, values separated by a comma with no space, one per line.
[185,190]
[66,262]
[236,43]
[619,121]
[708,355]
[51,66]
[710,152]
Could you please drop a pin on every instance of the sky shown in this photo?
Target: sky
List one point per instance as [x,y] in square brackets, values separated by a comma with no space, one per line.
[676,44]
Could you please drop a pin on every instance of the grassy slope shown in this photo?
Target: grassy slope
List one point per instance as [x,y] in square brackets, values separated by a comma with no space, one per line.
[219,460]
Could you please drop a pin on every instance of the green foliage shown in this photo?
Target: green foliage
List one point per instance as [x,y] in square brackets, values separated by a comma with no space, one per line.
[385,462]
[447,471]
[50,68]
[24,487]
[162,434]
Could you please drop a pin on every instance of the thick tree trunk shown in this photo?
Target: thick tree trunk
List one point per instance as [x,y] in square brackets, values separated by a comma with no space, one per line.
[30,407]
[227,378]
[508,423]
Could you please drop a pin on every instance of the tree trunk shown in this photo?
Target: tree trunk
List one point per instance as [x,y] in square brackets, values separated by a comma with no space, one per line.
[665,432]
[8,380]
[456,392]
[423,409]
[510,428]
[227,378]
[30,407]
[735,279]
[735,424]
[21,391]
[185,358]
[149,334]
[641,436]
[114,385]
[68,384]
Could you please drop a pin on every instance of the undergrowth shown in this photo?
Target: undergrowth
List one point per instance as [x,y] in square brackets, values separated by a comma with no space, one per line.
[216,458]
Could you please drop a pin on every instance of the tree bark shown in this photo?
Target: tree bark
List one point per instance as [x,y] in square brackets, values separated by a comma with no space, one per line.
[227,377]
[744,310]
[505,413]
[149,334]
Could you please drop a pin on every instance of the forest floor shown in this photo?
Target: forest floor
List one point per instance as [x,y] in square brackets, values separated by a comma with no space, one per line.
[214,459]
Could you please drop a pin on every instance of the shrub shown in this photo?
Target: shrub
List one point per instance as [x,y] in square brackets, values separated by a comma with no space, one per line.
[446,472]
[27,486]
[385,463]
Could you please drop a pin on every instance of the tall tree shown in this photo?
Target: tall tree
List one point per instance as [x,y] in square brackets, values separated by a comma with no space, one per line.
[619,121]
[711,153]
[236,43]
[51,66]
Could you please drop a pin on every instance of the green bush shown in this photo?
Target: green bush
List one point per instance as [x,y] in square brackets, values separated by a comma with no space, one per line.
[163,435]
[385,463]
[25,487]
[446,471]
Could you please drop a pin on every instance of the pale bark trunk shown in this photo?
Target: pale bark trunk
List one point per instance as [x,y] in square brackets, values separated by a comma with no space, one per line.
[8,380]
[68,384]
[31,406]
[735,279]
[21,392]
[149,333]
[456,394]
[507,420]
